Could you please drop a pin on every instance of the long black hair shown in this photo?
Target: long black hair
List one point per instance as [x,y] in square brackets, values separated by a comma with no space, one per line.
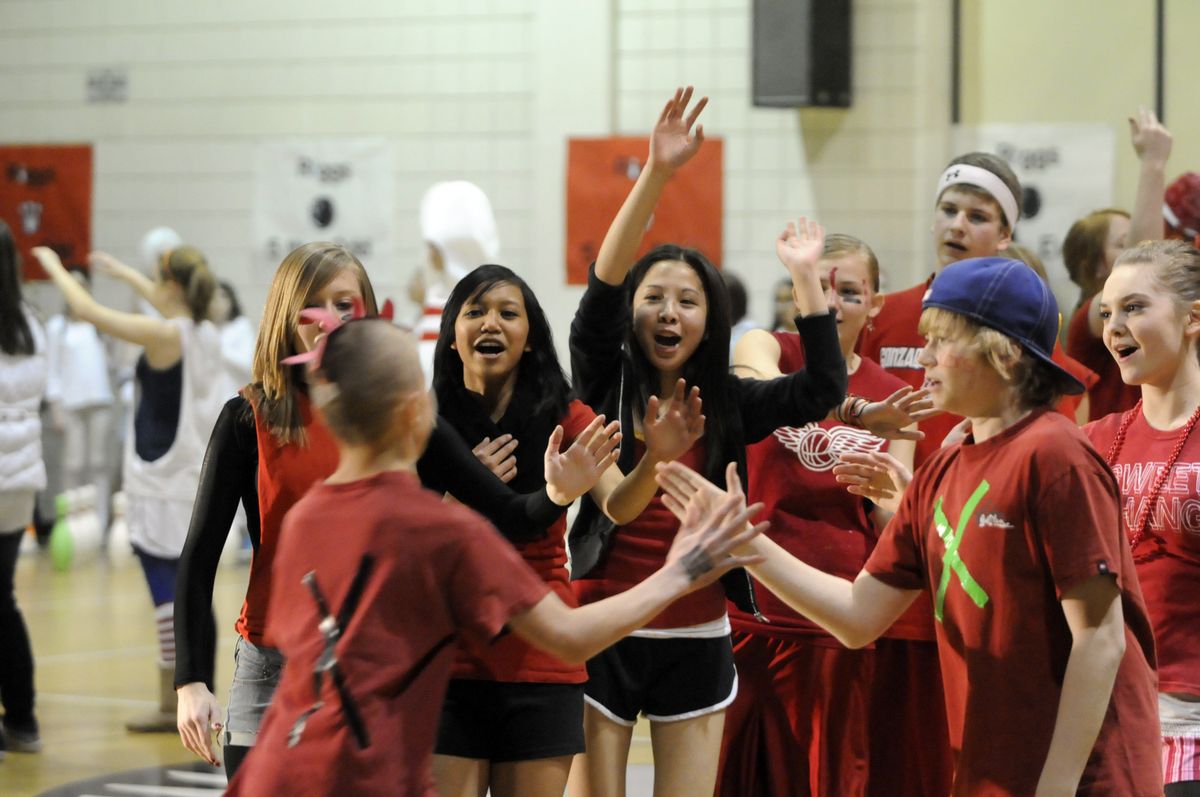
[16,338]
[707,368]
[542,392]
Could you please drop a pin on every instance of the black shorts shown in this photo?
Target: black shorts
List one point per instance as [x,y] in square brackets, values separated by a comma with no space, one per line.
[498,722]
[665,679]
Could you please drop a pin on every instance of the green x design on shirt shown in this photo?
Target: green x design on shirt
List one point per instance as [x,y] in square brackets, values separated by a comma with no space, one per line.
[951,561]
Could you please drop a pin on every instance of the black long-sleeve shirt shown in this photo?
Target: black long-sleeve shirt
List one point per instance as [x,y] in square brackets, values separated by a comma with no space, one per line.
[230,475]
[602,372]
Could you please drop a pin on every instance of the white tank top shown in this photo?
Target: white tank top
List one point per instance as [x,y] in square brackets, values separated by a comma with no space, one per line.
[161,493]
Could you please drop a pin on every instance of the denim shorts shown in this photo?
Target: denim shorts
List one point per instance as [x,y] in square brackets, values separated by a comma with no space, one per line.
[256,672]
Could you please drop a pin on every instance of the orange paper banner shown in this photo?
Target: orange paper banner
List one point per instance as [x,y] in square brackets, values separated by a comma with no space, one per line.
[600,172]
[47,201]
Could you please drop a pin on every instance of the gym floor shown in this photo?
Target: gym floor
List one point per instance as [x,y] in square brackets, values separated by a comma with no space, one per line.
[93,638]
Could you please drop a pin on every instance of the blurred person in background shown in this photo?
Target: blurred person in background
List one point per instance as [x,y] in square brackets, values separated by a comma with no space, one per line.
[22,474]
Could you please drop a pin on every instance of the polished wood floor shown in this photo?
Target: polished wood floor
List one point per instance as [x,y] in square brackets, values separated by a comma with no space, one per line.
[94,643]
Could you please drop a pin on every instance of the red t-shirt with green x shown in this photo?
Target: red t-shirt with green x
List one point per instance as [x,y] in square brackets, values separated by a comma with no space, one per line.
[997,531]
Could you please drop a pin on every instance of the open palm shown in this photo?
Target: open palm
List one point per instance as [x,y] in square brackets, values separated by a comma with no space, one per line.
[672,142]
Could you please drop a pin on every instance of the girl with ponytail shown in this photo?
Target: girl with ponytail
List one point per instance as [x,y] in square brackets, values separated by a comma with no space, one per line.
[176,405]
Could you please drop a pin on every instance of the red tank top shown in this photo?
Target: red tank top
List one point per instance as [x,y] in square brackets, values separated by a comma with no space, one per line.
[285,472]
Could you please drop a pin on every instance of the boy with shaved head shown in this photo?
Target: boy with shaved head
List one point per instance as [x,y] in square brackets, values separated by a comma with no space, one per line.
[376,579]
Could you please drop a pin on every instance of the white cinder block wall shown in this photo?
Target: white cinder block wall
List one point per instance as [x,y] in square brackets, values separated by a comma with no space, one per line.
[485,90]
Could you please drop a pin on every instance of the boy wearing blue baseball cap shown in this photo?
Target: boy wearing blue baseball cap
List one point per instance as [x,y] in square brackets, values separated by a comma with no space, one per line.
[1043,637]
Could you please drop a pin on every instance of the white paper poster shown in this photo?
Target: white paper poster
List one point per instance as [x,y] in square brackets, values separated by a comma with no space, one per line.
[340,190]
[1066,172]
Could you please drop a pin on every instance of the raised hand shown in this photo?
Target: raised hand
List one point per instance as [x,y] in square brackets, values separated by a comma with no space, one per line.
[672,142]
[49,260]
[682,487]
[800,245]
[498,456]
[571,473]
[888,418]
[875,475]
[671,432]
[198,717]
[1151,141]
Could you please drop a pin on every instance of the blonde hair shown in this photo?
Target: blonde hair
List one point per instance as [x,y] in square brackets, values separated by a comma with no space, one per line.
[839,245]
[187,267]
[1035,383]
[305,271]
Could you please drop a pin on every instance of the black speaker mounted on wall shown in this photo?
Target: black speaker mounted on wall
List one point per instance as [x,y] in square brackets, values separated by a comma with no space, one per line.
[801,53]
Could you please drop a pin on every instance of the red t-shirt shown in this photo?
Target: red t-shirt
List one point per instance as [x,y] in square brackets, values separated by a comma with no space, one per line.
[285,472]
[511,658]
[812,516]
[1109,394]
[441,571]
[997,531]
[895,344]
[639,549]
[1168,556]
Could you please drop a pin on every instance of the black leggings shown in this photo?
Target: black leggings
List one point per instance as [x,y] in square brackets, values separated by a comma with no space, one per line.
[1185,788]
[234,755]
[16,657]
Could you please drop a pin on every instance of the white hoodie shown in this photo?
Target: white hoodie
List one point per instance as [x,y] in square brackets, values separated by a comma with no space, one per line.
[457,218]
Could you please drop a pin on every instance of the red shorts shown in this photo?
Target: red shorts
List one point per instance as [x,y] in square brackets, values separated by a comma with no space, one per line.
[910,741]
[798,724]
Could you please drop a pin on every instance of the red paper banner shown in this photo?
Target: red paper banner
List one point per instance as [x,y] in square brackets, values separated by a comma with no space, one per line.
[600,172]
[47,201]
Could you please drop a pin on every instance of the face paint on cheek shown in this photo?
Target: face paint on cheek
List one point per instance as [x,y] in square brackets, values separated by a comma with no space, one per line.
[961,362]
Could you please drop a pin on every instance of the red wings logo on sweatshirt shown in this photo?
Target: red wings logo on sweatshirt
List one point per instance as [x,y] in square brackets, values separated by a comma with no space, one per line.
[818,449]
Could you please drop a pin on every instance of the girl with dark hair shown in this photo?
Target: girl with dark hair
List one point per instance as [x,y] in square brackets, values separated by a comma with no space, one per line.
[176,405]
[640,328]
[496,376]
[22,474]
[267,448]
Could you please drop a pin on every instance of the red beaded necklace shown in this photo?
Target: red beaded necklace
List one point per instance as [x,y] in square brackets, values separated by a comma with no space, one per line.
[1138,532]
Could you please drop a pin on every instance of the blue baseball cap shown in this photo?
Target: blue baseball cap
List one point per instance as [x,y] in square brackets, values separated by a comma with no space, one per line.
[1008,296]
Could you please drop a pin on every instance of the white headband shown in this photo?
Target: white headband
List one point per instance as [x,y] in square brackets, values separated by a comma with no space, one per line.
[961,173]
[1174,221]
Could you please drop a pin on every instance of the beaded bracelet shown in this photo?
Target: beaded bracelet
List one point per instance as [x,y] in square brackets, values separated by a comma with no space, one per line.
[850,410]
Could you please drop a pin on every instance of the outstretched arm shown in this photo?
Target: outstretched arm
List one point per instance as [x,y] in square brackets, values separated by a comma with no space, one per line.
[671,145]
[447,465]
[159,338]
[855,612]
[699,555]
[106,264]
